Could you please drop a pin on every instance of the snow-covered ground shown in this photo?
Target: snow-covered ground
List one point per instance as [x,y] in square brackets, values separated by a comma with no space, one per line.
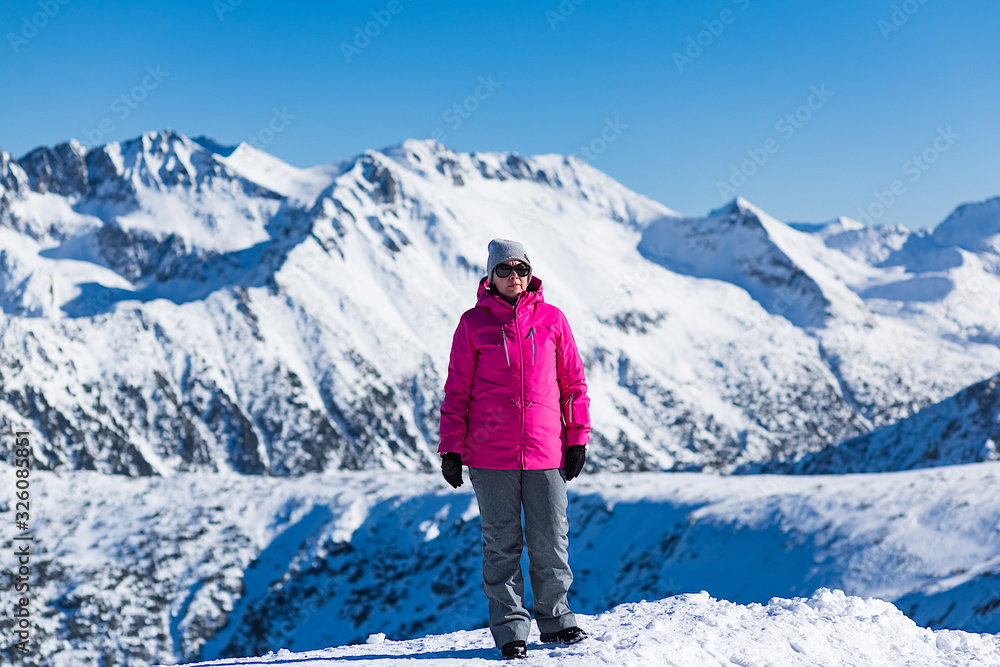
[200,567]
[829,629]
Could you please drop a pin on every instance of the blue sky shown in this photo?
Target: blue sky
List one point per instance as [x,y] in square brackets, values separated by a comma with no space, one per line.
[809,110]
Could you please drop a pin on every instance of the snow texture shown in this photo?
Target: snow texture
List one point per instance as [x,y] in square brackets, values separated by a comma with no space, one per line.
[696,630]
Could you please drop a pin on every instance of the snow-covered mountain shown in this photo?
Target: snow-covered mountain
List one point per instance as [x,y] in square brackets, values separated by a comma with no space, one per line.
[963,428]
[973,227]
[171,304]
[202,566]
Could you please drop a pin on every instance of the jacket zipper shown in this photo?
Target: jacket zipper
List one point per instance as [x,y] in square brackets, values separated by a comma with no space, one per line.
[517,332]
[503,335]
[531,332]
[570,408]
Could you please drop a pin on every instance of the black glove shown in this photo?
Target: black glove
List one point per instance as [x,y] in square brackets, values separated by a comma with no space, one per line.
[451,468]
[576,456]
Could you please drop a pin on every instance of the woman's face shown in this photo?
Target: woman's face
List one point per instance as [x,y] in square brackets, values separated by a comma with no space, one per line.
[512,285]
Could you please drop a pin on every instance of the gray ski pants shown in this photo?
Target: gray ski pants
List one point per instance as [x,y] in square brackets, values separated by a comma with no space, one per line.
[501,494]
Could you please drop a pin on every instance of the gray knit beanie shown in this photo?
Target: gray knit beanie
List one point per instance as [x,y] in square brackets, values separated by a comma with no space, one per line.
[502,250]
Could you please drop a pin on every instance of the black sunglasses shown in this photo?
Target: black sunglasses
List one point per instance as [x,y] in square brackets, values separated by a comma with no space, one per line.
[503,270]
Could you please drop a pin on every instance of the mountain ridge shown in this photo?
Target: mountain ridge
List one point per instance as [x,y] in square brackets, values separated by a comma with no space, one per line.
[291,320]
[961,429]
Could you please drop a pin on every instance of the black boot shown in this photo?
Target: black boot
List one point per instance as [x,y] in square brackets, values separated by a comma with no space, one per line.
[514,649]
[565,636]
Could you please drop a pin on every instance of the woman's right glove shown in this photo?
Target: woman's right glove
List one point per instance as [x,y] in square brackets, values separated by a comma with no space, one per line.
[576,456]
[451,468]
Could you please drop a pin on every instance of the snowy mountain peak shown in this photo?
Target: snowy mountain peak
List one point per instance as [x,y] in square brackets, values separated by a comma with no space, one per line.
[741,244]
[426,156]
[737,207]
[846,224]
[61,169]
[558,175]
[973,226]
[13,180]
[416,152]
[121,171]
[825,230]
[741,212]
[160,160]
[214,146]
[868,245]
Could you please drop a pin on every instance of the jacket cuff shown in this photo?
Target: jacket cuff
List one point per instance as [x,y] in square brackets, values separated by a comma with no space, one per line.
[450,447]
[575,436]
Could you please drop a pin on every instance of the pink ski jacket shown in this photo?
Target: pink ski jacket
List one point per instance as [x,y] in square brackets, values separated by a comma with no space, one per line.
[515,396]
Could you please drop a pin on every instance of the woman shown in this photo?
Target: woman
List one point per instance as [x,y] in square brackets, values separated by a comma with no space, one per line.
[516,412]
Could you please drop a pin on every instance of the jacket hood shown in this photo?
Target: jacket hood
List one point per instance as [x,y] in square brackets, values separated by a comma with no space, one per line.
[485,298]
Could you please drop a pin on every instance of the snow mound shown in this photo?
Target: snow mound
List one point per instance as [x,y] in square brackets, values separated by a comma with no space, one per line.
[829,628]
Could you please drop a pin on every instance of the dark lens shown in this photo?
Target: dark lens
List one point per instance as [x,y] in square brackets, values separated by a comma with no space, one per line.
[503,270]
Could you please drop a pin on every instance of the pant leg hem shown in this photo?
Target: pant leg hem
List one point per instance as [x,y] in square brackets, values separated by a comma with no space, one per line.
[556,624]
[505,635]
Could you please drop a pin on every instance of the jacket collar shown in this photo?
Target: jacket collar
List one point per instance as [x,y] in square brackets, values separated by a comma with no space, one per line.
[493,301]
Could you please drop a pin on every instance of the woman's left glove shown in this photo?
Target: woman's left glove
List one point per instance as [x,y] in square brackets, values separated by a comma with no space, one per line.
[576,456]
[451,468]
